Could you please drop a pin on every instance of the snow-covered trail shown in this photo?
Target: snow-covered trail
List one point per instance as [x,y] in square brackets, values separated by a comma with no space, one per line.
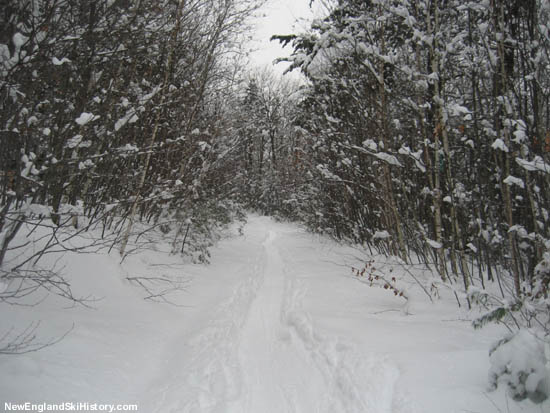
[275,323]
[262,353]
[276,375]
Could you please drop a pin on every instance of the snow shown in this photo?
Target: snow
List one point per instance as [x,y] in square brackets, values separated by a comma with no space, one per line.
[434,244]
[520,136]
[521,363]
[381,235]
[129,148]
[500,145]
[86,164]
[147,97]
[35,209]
[543,267]
[457,110]
[472,247]
[276,323]
[74,141]
[58,62]
[537,164]
[19,40]
[32,120]
[326,173]
[386,157]
[370,144]
[85,118]
[512,180]
[130,117]
[405,150]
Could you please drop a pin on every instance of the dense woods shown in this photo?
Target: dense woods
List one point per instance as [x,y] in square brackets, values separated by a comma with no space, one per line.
[114,110]
[421,130]
[430,130]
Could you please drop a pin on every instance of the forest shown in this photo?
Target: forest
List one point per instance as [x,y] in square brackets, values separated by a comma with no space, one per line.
[420,130]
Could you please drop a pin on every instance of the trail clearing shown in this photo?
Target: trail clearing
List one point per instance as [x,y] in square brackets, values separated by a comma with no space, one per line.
[276,323]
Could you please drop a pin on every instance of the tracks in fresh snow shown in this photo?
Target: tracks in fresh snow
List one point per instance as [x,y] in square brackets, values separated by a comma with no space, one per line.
[261,352]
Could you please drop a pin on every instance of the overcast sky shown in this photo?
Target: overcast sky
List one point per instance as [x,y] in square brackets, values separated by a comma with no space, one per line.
[279,17]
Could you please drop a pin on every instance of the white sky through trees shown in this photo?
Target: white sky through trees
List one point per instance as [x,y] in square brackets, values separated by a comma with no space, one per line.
[278,17]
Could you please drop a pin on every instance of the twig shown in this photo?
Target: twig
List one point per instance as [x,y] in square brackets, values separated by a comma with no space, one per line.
[25,342]
[156,293]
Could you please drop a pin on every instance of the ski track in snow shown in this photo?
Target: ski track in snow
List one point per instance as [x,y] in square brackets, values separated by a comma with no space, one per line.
[261,352]
[275,324]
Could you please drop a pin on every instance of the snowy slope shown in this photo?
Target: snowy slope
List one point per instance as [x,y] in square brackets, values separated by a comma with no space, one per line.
[276,323]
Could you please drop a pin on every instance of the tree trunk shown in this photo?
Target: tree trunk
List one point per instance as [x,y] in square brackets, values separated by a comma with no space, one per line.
[395,220]
[167,71]
[437,198]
